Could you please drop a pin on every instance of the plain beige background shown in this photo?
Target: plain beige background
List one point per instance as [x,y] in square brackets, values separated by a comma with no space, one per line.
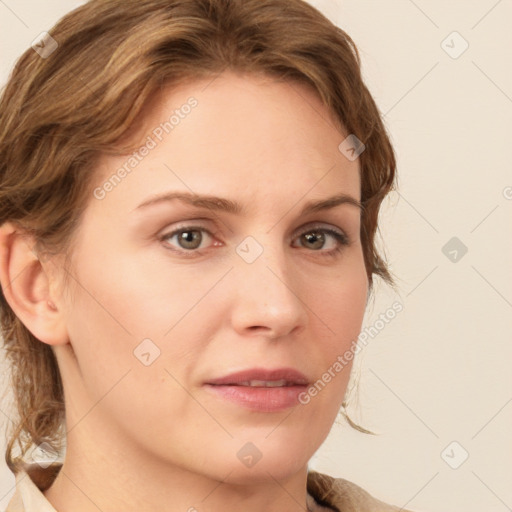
[435,382]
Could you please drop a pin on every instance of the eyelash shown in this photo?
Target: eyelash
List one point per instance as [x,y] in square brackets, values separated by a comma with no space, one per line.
[340,237]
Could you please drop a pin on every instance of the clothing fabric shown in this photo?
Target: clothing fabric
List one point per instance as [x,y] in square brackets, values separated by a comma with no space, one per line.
[333,493]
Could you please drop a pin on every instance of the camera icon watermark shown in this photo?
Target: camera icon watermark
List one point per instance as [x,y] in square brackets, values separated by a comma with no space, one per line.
[43,455]
[249,249]
[454,45]
[454,249]
[507,193]
[455,455]
[44,44]
[351,147]
[147,352]
[249,455]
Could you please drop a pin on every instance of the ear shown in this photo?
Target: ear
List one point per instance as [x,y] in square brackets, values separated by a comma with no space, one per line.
[26,287]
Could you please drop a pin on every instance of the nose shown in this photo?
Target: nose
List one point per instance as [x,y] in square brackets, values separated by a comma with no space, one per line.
[269,299]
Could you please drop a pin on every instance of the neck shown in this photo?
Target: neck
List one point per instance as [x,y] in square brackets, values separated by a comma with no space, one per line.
[102,476]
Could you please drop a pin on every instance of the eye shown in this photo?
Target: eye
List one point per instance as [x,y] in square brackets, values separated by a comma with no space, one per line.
[316,238]
[188,238]
[191,239]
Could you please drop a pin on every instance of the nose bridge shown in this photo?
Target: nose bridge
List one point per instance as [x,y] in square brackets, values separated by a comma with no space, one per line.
[268,295]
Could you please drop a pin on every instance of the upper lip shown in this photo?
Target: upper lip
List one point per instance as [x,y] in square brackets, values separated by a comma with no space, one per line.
[290,375]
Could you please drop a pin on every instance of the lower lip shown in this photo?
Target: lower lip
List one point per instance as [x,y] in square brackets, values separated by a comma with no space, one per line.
[259,398]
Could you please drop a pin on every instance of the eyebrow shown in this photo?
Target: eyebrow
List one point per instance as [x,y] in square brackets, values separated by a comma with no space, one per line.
[227,205]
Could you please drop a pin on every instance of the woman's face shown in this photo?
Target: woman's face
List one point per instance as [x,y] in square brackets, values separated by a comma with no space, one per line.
[169,301]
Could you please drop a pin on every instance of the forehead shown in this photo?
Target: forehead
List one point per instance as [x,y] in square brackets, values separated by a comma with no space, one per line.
[244,135]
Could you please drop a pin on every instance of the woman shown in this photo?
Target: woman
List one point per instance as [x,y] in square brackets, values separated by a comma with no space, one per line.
[189,199]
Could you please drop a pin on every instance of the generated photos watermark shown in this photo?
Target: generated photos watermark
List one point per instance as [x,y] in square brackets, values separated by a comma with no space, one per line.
[356,346]
[151,142]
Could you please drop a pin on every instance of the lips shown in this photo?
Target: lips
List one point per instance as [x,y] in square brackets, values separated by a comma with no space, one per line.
[260,389]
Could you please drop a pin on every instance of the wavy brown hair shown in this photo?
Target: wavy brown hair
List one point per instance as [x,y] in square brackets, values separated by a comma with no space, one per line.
[58,114]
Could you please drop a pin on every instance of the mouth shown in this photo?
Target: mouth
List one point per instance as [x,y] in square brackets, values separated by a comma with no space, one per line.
[264,383]
[259,389]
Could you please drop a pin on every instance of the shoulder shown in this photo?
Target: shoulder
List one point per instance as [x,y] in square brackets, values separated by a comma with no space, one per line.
[344,496]
[31,481]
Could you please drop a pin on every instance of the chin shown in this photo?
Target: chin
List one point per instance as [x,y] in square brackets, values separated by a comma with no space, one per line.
[271,455]
[273,468]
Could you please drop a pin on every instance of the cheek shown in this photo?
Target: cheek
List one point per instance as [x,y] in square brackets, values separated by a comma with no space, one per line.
[340,307]
[345,298]
[123,367]
[106,320]
[125,308]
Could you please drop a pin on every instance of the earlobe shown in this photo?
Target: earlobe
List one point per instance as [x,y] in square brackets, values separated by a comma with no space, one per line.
[26,287]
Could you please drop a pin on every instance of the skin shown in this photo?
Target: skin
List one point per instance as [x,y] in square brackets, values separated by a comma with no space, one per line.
[152,437]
